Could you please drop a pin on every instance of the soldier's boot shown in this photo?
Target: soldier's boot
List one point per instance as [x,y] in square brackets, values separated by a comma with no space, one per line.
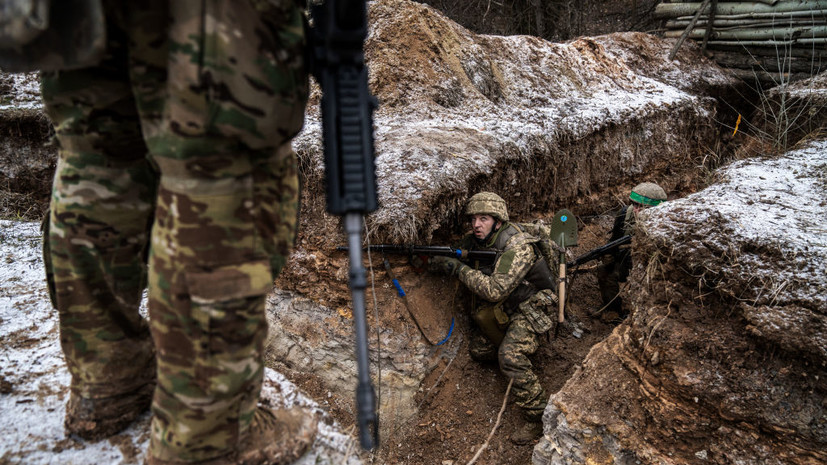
[277,437]
[528,433]
[95,419]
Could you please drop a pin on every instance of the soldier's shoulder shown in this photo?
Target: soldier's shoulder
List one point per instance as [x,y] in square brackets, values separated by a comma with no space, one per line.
[521,240]
[536,229]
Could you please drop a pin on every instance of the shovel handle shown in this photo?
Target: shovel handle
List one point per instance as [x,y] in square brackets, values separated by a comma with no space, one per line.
[561,294]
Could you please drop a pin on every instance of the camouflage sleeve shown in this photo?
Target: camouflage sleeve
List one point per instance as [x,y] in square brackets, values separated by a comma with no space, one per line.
[509,271]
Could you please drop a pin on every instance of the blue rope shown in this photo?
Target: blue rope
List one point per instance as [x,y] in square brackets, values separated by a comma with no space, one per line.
[399,288]
[450,331]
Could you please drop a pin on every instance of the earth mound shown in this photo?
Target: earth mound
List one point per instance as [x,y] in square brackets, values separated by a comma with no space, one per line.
[724,356]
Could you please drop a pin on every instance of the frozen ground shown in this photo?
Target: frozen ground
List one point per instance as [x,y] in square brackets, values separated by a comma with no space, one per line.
[34,380]
[768,216]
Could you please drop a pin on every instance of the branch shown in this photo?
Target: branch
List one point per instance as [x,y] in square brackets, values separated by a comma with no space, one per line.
[491,434]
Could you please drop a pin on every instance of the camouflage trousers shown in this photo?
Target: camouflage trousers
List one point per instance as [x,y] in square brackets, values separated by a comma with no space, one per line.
[519,342]
[175,152]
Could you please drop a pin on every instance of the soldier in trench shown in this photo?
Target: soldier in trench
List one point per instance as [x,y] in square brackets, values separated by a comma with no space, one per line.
[175,149]
[512,300]
[616,266]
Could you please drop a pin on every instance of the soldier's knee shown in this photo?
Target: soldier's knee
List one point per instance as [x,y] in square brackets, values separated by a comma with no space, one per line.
[512,362]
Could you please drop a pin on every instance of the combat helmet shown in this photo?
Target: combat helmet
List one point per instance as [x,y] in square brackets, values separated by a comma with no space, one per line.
[487,203]
[648,193]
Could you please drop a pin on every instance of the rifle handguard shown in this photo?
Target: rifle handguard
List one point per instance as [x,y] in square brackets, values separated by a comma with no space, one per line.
[600,251]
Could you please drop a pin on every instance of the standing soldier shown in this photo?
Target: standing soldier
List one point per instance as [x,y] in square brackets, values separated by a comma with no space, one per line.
[616,266]
[175,150]
[512,300]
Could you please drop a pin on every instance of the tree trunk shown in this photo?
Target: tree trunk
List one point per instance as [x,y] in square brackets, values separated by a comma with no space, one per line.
[539,17]
[674,10]
[770,33]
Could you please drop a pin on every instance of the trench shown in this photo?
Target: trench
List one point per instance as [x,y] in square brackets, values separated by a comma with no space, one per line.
[431,399]
[435,403]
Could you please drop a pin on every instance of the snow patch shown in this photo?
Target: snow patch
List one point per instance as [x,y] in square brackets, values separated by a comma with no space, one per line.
[768,205]
[34,381]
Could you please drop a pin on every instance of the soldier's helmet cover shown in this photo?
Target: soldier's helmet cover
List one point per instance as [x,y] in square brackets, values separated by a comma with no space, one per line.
[487,203]
[648,193]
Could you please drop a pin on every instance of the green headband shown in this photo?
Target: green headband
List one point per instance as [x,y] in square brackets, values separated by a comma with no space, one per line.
[644,200]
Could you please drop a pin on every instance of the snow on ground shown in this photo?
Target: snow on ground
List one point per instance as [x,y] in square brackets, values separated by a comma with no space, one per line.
[34,380]
[25,92]
[776,204]
[454,105]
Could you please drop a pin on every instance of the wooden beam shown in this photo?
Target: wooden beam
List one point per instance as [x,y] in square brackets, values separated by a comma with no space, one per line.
[674,10]
[787,64]
[770,33]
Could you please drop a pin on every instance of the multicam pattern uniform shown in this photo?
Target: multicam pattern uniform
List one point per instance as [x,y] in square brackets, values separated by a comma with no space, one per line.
[519,282]
[184,128]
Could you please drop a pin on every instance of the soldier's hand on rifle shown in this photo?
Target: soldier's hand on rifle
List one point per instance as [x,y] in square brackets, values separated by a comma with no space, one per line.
[445,265]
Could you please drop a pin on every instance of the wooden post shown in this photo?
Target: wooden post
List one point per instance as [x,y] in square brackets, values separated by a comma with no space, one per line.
[688,30]
[710,24]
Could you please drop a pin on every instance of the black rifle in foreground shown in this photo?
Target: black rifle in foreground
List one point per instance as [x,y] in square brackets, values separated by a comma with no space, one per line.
[337,55]
[482,256]
[600,251]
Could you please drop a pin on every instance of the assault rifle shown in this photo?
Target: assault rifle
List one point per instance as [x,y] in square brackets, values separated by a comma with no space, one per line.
[600,251]
[482,256]
[337,59]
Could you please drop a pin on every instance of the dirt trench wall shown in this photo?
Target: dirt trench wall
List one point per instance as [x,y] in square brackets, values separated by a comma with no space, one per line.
[785,114]
[546,125]
[27,160]
[316,343]
[724,357]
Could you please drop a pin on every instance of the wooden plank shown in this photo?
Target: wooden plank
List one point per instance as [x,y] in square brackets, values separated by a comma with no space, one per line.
[811,51]
[771,33]
[725,24]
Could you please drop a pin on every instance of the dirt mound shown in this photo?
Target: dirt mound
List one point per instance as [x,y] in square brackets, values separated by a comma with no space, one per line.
[543,124]
[27,162]
[547,126]
[723,358]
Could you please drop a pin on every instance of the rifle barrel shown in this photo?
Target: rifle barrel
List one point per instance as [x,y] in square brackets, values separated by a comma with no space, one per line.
[365,395]
[600,251]
[485,256]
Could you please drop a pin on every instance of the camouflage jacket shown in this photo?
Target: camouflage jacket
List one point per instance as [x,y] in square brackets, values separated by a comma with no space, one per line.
[518,273]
